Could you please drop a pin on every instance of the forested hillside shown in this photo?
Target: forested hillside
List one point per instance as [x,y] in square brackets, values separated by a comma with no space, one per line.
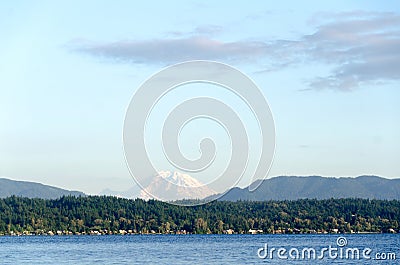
[106,215]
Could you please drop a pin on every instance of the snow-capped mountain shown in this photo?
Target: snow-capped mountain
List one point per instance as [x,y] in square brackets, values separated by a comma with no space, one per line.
[175,186]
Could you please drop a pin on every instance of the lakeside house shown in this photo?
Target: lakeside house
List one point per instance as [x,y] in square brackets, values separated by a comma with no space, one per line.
[255,231]
[229,231]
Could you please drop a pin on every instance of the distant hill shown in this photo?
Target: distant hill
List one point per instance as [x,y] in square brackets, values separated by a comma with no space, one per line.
[10,187]
[131,193]
[316,187]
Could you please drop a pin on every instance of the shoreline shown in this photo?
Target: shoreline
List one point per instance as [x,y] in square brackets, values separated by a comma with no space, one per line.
[176,234]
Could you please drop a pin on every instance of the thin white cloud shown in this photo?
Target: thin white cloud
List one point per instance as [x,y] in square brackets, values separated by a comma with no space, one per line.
[361,47]
[203,30]
[175,50]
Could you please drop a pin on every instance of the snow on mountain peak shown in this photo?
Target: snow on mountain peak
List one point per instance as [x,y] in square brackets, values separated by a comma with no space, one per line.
[175,185]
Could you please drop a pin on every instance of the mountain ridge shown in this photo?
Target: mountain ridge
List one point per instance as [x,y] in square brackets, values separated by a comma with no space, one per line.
[317,187]
[9,187]
[276,188]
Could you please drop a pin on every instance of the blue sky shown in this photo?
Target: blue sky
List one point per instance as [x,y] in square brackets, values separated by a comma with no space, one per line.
[330,72]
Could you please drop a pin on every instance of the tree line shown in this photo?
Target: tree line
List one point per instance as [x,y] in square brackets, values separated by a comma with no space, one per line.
[111,215]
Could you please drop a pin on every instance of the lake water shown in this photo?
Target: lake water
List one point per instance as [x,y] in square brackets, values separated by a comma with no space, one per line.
[197,249]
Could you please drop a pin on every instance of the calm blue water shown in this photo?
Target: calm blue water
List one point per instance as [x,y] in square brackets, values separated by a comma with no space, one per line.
[185,249]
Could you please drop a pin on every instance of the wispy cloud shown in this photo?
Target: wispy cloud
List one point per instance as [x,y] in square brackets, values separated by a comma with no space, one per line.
[173,50]
[361,47]
[203,30]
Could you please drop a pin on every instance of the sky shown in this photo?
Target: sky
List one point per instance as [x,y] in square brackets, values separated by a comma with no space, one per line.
[68,70]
